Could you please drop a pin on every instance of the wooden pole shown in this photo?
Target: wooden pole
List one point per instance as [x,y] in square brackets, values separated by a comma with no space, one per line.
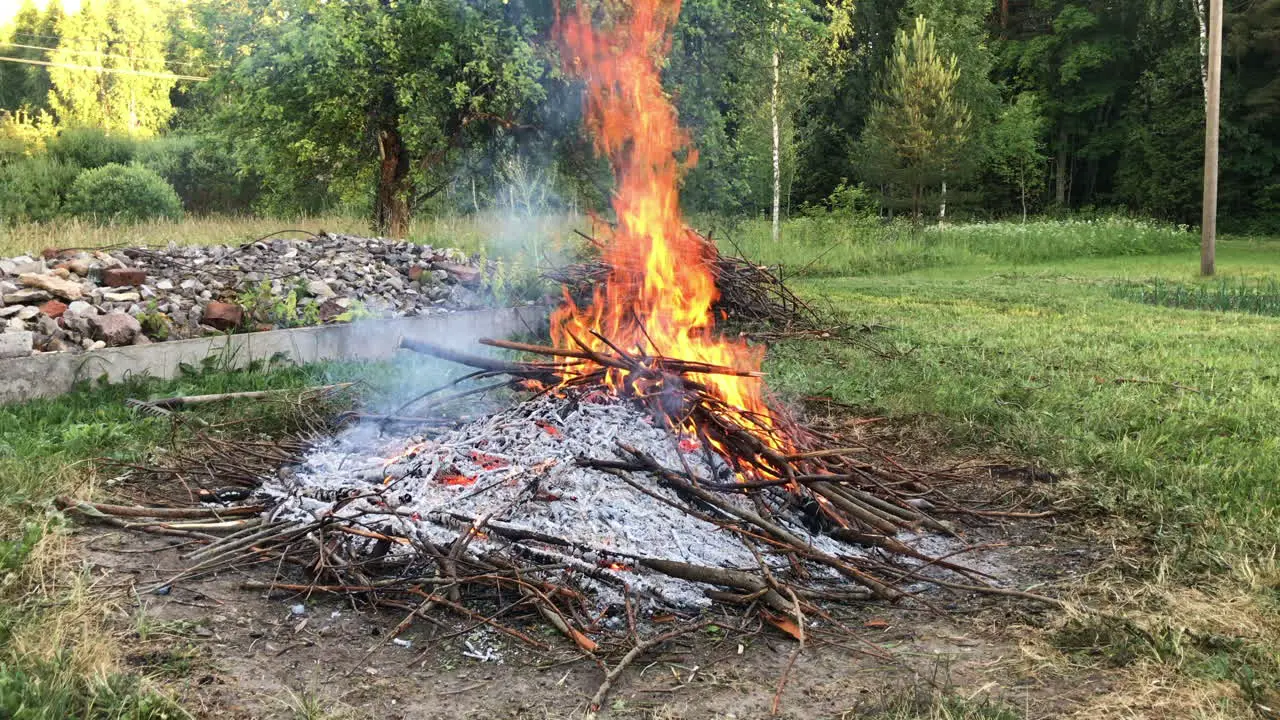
[1209,220]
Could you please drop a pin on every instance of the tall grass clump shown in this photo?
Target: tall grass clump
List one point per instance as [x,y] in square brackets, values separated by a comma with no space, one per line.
[824,245]
[1240,295]
[1046,241]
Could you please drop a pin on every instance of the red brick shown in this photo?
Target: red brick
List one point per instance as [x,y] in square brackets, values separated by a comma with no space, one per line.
[415,272]
[123,277]
[464,274]
[53,308]
[223,316]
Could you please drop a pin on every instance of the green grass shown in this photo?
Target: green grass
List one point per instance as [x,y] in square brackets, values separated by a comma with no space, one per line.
[56,660]
[1227,295]
[1171,415]
[828,246]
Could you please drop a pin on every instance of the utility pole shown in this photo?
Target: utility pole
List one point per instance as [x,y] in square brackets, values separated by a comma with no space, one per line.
[1209,219]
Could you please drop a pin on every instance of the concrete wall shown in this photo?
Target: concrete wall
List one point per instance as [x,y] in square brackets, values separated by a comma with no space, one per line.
[50,374]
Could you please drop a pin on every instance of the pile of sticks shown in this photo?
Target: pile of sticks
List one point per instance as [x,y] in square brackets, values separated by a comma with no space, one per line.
[750,294]
[783,469]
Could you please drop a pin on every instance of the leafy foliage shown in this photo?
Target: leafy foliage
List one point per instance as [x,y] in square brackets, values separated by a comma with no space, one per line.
[1016,149]
[34,189]
[90,147]
[369,99]
[122,193]
[122,35]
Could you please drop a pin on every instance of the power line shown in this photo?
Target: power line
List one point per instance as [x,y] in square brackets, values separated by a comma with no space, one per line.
[95,52]
[99,68]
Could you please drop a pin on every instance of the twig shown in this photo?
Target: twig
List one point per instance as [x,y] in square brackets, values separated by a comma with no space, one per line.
[593,706]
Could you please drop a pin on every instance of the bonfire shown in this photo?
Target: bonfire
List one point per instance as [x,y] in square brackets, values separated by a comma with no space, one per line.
[634,471]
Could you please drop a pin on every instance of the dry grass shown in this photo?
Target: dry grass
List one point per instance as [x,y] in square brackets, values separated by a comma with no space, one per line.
[532,237]
[33,237]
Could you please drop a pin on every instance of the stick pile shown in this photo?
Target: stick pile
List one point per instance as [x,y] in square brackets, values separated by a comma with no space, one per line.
[749,293]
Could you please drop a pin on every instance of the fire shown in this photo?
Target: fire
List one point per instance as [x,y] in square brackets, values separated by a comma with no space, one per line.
[658,298]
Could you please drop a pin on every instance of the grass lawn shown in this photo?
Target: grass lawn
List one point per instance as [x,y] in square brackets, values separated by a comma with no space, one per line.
[1163,421]
[1172,414]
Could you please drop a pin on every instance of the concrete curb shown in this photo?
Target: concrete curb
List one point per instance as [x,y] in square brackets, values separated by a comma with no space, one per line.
[52,374]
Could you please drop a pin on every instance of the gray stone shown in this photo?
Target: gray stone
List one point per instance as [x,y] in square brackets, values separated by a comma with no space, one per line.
[25,264]
[116,328]
[28,312]
[17,344]
[320,289]
[29,295]
[165,284]
[16,324]
[10,310]
[122,297]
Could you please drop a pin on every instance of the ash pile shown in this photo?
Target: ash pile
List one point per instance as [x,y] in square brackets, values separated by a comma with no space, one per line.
[595,509]
[538,483]
[76,300]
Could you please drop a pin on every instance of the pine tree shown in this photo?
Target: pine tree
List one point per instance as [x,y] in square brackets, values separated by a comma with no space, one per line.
[917,130]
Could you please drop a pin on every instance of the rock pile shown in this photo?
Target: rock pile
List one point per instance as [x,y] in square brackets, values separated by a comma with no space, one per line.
[75,300]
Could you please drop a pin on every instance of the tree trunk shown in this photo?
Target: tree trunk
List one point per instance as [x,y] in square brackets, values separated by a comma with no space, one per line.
[777,150]
[391,214]
[1023,187]
[1060,187]
[1198,6]
[942,205]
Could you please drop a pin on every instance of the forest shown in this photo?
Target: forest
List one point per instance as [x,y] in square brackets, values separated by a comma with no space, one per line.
[392,108]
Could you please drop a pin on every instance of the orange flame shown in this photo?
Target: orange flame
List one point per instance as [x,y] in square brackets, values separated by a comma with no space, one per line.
[658,297]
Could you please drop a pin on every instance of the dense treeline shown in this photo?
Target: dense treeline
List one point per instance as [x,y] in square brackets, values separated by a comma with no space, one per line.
[975,108]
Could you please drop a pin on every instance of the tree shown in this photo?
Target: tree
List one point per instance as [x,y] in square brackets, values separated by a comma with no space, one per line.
[918,128]
[22,85]
[371,97]
[126,39]
[840,91]
[960,29]
[1017,151]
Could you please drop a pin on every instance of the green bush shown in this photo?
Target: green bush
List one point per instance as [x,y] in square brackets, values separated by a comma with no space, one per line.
[34,189]
[205,175]
[92,148]
[126,193]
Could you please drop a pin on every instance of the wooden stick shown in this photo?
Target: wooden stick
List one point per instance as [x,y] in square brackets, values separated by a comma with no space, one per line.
[189,400]
[93,509]
[475,361]
[610,677]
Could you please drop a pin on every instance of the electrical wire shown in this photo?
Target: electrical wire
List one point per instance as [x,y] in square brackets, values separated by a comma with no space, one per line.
[95,52]
[99,68]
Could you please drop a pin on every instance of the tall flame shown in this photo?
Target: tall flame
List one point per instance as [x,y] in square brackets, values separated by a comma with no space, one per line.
[659,294]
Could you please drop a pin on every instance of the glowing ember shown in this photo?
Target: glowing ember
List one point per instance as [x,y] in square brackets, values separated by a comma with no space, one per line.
[455,479]
[658,297]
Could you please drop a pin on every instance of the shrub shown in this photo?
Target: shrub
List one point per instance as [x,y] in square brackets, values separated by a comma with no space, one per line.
[205,175]
[127,193]
[34,189]
[23,135]
[92,148]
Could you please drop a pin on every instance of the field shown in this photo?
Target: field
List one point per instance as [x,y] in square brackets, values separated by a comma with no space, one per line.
[1156,423]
